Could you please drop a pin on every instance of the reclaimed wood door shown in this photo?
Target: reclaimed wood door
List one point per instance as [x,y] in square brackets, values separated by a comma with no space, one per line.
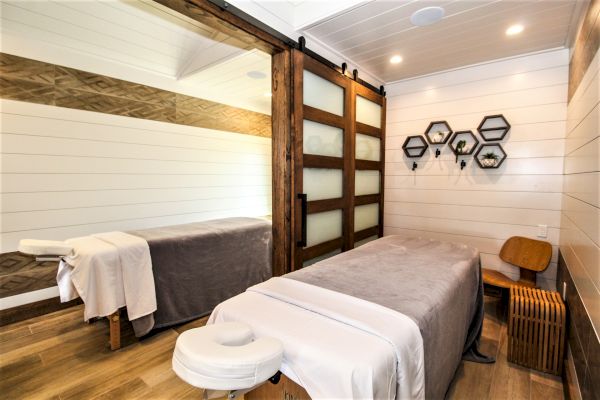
[338,161]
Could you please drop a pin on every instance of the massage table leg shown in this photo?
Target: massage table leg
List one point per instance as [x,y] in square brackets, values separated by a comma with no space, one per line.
[286,389]
[115,330]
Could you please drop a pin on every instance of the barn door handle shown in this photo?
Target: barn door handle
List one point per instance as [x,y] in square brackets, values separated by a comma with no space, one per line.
[304,211]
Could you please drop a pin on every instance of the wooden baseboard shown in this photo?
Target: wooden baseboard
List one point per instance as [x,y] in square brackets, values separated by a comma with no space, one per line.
[26,311]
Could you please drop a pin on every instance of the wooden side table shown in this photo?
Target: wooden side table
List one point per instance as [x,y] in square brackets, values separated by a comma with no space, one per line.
[536,329]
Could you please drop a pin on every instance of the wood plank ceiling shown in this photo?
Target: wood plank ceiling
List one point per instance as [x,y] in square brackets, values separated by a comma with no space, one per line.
[472,31]
[144,35]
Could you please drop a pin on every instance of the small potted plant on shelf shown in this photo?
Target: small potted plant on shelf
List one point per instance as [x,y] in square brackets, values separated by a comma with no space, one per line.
[461,147]
[489,159]
[438,137]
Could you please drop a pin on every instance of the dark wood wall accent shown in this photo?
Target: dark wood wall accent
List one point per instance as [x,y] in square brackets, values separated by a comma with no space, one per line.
[20,273]
[38,82]
[586,46]
[583,341]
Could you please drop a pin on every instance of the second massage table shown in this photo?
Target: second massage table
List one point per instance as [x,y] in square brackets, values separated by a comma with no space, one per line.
[390,319]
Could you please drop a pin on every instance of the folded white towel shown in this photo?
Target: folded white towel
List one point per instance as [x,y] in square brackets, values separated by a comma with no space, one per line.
[44,247]
[109,270]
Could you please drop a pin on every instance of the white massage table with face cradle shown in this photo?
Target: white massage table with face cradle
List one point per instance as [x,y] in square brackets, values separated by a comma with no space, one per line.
[391,319]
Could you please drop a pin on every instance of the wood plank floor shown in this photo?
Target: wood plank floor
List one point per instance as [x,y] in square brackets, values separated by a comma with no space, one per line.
[58,356]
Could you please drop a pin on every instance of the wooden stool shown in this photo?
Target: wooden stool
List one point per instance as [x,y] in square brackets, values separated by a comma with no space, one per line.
[536,329]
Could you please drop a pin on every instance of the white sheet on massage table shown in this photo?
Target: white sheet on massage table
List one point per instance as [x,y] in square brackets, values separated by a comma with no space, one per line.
[332,359]
[109,271]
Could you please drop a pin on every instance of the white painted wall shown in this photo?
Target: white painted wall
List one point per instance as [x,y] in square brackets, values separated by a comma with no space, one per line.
[68,173]
[580,219]
[480,207]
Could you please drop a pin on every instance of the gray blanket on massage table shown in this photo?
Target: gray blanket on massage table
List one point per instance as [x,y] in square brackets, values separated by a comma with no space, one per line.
[437,284]
[199,265]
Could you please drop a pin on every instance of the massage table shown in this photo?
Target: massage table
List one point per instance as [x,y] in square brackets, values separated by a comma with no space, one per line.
[162,276]
[390,319]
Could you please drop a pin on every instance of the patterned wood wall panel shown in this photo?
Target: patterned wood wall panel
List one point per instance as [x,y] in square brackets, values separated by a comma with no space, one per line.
[33,81]
[20,273]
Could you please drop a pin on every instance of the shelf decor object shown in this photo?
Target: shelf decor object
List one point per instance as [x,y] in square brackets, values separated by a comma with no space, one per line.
[414,147]
[493,127]
[438,133]
[490,155]
[463,143]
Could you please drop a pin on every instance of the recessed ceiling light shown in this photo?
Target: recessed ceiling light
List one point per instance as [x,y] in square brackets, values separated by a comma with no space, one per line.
[256,75]
[514,29]
[427,16]
[396,60]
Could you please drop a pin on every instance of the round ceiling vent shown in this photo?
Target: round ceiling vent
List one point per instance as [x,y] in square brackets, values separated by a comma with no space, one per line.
[427,16]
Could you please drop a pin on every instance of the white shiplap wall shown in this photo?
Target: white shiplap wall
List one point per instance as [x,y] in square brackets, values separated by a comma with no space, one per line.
[580,223]
[480,207]
[67,173]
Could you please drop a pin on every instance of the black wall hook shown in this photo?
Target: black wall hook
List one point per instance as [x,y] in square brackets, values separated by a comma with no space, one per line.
[437,152]
[463,164]
[414,166]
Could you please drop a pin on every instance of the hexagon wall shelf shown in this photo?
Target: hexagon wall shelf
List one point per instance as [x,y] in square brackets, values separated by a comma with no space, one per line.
[438,132]
[488,161]
[471,143]
[414,146]
[493,127]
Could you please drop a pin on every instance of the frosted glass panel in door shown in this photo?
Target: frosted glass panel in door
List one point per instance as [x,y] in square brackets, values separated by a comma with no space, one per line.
[368,147]
[321,183]
[322,140]
[366,182]
[322,94]
[366,216]
[368,112]
[324,226]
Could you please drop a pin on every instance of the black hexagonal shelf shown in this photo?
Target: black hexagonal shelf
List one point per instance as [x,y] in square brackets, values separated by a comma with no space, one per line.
[493,127]
[470,143]
[490,155]
[438,132]
[414,146]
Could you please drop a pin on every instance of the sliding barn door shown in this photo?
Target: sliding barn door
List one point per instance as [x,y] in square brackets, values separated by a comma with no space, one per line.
[338,162]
